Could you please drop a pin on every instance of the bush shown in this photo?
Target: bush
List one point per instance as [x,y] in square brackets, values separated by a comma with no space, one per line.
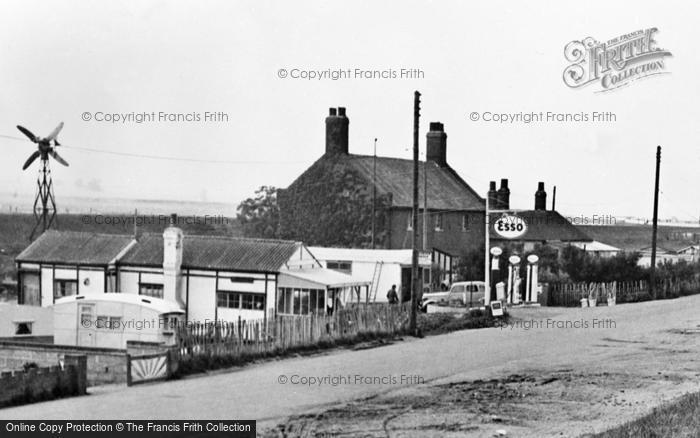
[437,323]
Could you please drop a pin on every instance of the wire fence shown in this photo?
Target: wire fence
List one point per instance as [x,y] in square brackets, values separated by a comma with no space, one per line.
[568,294]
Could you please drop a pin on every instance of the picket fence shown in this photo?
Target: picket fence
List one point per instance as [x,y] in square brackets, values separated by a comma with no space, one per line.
[277,334]
[570,294]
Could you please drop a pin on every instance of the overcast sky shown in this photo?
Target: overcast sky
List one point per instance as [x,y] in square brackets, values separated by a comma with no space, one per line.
[60,59]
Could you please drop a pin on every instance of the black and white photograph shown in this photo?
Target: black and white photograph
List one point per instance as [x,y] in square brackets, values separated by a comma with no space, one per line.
[325,219]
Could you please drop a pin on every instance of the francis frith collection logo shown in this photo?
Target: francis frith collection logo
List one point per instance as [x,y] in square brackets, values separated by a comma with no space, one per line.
[614,63]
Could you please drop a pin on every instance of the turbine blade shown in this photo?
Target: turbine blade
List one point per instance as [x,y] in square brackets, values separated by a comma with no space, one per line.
[28,133]
[55,132]
[31,159]
[58,158]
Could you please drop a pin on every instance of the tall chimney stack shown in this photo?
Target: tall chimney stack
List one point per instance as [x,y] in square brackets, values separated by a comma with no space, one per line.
[503,195]
[437,144]
[337,124]
[493,195]
[540,197]
[172,262]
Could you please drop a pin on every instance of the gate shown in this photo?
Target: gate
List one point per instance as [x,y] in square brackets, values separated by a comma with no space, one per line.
[148,367]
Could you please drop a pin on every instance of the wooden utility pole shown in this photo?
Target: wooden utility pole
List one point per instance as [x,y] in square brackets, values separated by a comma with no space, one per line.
[374,194]
[415,286]
[554,198]
[425,204]
[652,273]
[487,265]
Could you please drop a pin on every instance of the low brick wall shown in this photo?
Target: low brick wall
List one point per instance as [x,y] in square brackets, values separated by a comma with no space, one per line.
[104,365]
[44,383]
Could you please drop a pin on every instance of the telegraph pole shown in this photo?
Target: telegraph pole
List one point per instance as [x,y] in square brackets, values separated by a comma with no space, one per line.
[415,287]
[487,265]
[425,204]
[652,273]
[374,194]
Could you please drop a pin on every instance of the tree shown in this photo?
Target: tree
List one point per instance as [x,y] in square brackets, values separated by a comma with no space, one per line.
[259,215]
[582,266]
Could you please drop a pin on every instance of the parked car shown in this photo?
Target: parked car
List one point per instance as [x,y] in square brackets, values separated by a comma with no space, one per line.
[463,293]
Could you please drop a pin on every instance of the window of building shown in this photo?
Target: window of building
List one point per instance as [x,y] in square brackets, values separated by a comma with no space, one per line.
[240,300]
[438,222]
[23,328]
[104,322]
[151,290]
[64,288]
[242,280]
[29,289]
[295,301]
[341,266]
[465,222]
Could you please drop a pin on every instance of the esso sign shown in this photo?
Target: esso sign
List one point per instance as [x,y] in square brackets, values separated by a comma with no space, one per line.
[510,227]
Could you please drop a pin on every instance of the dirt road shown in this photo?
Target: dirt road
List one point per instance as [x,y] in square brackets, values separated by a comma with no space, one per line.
[555,372]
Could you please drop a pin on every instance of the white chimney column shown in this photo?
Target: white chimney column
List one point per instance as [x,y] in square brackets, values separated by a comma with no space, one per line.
[172,262]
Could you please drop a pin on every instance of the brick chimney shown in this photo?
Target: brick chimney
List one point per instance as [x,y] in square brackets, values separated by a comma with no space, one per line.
[503,195]
[540,197]
[337,124]
[172,262]
[492,195]
[437,144]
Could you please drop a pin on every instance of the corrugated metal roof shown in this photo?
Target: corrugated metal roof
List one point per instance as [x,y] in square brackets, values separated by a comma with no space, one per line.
[323,277]
[75,248]
[216,252]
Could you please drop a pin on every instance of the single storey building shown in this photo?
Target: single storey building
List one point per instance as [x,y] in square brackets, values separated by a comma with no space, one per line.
[211,278]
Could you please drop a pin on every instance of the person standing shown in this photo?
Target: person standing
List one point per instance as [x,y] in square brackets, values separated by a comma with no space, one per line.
[392,296]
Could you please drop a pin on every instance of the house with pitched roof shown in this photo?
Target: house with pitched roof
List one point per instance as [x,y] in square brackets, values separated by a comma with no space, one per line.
[211,278]
[359,201]
[332,203]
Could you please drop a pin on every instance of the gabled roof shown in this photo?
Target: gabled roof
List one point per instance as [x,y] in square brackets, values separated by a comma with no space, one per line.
[446,189]
[215,252]
[74,248]
[543,225]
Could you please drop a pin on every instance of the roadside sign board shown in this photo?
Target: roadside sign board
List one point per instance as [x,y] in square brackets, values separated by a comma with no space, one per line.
[496,308]
[510,226]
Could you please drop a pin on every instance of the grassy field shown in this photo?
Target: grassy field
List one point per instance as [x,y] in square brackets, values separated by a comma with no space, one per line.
[679,418]
[16,228]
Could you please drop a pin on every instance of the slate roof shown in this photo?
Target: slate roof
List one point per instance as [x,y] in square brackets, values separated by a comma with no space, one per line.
[74,248]
[215,253]
[446,189]
[544,225]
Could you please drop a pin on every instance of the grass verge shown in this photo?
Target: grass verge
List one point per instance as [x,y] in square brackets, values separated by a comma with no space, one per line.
[677,418]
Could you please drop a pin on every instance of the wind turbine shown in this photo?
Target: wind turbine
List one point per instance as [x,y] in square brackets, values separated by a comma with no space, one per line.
[44,202]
